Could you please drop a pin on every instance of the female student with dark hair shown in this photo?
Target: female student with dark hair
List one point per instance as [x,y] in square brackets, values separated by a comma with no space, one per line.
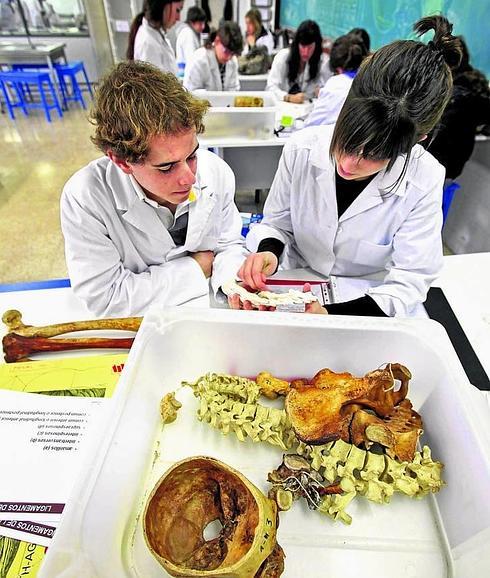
[373,205]
[215,66]
[348,51]
[298,72]
[147,40]
[189,38]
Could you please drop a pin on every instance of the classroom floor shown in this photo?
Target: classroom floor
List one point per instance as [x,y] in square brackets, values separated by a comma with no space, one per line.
[36,160]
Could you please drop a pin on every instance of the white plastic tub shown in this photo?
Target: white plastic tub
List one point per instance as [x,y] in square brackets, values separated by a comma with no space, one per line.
[225,120]
[443,536]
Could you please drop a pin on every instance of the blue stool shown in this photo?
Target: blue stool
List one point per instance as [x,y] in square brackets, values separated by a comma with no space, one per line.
[69,72]
[65,72]
[447,198]
[18,81]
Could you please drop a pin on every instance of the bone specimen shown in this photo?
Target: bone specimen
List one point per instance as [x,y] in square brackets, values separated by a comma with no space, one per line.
[13,320]
[248,101]
[18,348]
[329,476]
[196,492]
[322,410]
[229,404]
[268,298]
[23,340]
[169,407]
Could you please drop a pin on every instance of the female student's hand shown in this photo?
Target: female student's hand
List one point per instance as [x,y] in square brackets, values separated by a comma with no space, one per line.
[298,98]
[256,268]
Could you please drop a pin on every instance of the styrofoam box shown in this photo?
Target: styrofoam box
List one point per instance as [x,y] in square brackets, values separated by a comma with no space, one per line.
[225,120]
[445,535]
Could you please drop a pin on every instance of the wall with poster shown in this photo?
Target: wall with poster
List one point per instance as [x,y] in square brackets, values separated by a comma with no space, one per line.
[388,20]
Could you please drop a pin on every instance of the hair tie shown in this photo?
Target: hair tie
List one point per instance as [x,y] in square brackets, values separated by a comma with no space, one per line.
[432,45]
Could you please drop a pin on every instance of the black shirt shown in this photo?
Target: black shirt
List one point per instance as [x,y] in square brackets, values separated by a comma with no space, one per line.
[346,192]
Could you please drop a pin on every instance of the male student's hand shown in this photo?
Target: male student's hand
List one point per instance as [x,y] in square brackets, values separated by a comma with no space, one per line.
[256,268]
[205,261]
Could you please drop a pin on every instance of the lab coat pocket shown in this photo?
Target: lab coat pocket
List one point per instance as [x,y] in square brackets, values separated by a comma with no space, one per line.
[372,254]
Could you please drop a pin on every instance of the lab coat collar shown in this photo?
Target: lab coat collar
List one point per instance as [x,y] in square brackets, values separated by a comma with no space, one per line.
[136,211]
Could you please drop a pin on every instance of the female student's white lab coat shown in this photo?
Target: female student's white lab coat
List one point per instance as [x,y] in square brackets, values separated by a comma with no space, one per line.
[330,100]
[202,72]
[120,256]
[278,82]
[151,45]
[397,233]
[188,41]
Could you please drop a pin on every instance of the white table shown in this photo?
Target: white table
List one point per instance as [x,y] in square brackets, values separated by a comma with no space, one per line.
[253,81]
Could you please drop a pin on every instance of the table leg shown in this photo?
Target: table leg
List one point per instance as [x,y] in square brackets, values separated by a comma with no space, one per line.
[54,79]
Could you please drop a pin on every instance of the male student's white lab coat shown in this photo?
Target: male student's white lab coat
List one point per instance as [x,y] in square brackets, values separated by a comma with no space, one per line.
[120,256]
[278,81]
[396,233]
[330,100]
[202,72]
[188,41]
[151,45]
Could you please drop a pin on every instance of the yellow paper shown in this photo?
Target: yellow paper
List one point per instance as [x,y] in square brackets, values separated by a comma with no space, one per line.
[20,559]
[89,376]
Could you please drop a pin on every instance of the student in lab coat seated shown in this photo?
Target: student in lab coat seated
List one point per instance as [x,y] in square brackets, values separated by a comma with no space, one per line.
[298,72]
[256,34]
[189,38]
[348,51]
[147,40]
[153,221]
[215,66]
[362,197]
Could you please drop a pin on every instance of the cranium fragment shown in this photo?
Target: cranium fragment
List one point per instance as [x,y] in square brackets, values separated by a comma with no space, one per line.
[191,495]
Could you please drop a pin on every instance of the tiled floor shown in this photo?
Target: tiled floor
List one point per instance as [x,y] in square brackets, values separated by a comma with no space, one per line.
[36,160]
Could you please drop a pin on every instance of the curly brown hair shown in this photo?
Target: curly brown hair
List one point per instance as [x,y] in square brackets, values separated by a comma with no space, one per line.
[137,101]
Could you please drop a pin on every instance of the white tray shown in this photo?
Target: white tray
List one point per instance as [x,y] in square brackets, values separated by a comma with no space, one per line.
[100,534]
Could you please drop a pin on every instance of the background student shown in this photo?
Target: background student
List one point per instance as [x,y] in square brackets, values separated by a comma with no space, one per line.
[154,220]
[147,40]
[256,34]
[298,72]
[468,109]
[361,197]
[215,66]
[189,38]
[348,51]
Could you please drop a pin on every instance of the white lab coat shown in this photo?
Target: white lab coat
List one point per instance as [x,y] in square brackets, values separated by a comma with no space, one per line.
[188,41]
[202,71]
[397,233]
[266,40]
[278,82]
[120,256]
[151,45]
[330,100]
